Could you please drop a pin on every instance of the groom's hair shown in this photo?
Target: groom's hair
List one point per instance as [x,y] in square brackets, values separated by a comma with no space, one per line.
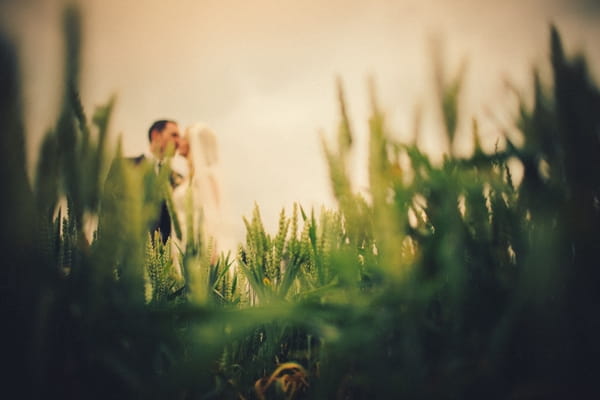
[158,126]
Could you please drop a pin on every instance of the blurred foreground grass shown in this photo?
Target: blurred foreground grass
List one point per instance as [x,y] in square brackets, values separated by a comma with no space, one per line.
[448,281]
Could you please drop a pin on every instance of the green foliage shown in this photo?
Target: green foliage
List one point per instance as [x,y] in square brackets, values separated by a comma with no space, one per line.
[271,264]
[443,281]
[159,265]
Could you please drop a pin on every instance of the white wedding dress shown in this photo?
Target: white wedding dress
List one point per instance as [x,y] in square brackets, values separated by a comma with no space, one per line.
[199,189]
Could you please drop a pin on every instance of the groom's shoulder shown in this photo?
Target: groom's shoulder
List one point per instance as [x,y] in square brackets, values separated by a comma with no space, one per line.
[126,162]
[136,160]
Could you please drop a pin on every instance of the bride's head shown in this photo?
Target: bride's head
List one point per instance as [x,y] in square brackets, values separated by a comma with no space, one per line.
[201,144]
[184,146]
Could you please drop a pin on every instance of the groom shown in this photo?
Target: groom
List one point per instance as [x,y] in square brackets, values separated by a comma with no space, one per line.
[163,137]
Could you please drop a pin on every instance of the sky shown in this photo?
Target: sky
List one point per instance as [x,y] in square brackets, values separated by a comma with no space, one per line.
[262,74]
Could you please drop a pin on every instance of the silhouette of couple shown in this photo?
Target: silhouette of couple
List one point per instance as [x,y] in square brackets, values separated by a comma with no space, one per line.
[180,167]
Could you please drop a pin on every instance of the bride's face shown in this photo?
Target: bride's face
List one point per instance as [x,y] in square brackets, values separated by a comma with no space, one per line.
[184,146]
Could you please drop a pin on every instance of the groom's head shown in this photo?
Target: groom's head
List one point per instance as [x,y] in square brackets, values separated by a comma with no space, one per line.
[164,137]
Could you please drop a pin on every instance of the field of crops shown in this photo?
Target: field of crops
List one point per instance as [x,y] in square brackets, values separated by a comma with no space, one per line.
[446,280]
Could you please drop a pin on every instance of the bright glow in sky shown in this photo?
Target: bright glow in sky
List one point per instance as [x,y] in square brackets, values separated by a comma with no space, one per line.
[262,74]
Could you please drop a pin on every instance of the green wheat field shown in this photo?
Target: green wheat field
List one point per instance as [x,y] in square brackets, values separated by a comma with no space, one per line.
[445,281]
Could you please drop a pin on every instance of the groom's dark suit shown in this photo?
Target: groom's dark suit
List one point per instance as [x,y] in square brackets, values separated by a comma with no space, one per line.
[147,201]
[154,174]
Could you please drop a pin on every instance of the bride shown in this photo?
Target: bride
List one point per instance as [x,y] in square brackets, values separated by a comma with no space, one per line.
[197,199]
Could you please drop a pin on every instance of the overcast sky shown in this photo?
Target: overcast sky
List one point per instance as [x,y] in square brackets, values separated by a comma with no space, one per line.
[262,74]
